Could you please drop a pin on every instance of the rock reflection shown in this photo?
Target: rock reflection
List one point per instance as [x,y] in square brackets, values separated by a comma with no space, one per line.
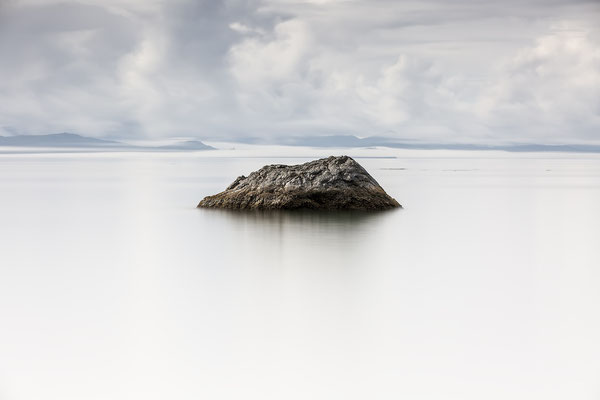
[296,239]
[302,229]
[344,221]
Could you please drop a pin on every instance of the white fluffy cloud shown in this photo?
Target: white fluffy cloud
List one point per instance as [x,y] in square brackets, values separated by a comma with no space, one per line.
[548,91]
[466,72]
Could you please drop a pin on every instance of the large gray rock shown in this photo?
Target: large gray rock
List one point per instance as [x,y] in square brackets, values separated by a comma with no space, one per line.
[332,183]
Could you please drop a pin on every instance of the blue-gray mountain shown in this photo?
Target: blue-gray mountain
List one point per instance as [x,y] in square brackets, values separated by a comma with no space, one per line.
[350,141]
[74,141]
[71,140]
[56,140]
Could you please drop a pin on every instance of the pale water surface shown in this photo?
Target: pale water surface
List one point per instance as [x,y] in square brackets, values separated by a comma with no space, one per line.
[485,286]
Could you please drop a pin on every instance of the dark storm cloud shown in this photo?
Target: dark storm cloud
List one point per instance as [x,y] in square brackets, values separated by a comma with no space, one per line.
[431,70]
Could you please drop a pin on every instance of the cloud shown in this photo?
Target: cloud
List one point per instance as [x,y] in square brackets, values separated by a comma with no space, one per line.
[548,90]
[59,65]
[470,71]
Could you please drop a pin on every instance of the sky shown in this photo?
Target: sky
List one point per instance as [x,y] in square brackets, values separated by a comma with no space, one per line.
[464,71]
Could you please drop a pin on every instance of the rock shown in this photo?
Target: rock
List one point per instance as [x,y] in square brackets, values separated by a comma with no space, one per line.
[333,183]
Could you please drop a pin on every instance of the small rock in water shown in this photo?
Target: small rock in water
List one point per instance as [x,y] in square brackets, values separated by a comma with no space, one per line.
[334,183]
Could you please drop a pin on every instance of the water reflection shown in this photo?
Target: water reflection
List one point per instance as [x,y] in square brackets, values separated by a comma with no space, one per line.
[333,219]
[299,237]
[341,224]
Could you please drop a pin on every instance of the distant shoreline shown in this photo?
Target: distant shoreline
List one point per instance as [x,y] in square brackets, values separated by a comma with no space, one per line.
[73,143]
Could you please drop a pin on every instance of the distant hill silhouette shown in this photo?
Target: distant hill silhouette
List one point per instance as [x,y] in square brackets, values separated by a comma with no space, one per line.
[56,140]
[73,141]
[189,145]
[378,141]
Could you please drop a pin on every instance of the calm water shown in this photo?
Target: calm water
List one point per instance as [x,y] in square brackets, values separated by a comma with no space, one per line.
[113,286]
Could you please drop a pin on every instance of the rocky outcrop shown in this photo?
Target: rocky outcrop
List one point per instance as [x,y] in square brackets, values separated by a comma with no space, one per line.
[333,183]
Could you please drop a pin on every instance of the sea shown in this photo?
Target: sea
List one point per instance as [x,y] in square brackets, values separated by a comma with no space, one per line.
[113,285]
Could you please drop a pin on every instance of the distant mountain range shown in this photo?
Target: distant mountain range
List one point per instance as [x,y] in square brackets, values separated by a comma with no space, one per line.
[189,145]
[56,140]
[71,140]
[378,141]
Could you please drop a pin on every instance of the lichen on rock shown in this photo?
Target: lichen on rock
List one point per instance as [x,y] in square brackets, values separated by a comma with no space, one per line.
[333,183]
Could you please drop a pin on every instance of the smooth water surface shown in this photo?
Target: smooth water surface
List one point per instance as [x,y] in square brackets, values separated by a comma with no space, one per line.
[114,286]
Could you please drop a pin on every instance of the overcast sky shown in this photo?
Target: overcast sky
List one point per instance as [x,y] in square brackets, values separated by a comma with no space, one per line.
[482,71]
